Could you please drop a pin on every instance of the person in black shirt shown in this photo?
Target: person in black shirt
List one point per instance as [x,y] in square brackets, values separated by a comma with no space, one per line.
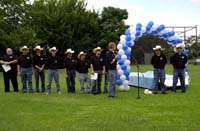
[178,60]
[25,69]
[52,65]
[82,68]
[97,66]
[39,63]
[159,61]
[111,64]
[70,70]
[11,60]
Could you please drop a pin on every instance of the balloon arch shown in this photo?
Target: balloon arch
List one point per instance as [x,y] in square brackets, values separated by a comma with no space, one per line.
[128,40]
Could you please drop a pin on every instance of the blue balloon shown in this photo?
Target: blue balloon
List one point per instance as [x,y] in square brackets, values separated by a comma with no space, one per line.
[128,32]
[118,76]
[128,54]
[149,26]
[160,28]
[139,25]
[119,57]
[127,78]
[126,73]
[137,33]
[172,33]
[128,57]
[125,47]
[124,67]
[136,39]
[128,37]
[128,43]
[119,82]
[121,62]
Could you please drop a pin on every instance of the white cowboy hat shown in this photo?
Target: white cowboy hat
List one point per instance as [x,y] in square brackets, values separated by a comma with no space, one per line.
[180,46]
[69,51]
[52,49]
[97,49]
[158,47]
[80,54]
[24,48]
[37,48]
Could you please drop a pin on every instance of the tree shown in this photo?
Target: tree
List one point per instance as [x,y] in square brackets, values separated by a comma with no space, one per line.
[111,22]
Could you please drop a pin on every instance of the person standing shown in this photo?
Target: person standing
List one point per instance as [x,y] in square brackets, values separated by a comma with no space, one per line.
[178,60]
[10,60]
[52,65]
[70,70]
[39,63]
[97,66]
[82,68]
[25,69]
[159,61]
[111,64]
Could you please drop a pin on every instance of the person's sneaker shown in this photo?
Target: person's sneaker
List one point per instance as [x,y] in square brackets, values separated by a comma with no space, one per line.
[164,93]
[59,92]
[47,93]
[110,97]
[173,92]
[24,91]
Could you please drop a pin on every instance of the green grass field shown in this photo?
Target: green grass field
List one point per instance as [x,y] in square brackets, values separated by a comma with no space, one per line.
[77,112]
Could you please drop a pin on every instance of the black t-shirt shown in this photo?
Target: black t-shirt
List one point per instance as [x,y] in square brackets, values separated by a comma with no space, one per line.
[159,61]
[109,58]
[25,61]
[82,66]
[38,60]
[70,64]
[97,62]
[53,62]
[178,61]
[8,58]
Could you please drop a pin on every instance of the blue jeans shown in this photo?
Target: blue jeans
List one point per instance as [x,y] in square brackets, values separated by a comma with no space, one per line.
[42,76]
[179,73]
[83,77]
[159,77]
[26,76]
[112,75]
[96,84]
[71,74]
[53,73]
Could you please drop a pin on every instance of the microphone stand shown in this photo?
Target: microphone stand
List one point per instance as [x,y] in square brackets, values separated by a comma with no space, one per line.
[138,77]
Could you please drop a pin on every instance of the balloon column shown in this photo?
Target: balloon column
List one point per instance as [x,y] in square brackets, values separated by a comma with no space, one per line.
[128,40]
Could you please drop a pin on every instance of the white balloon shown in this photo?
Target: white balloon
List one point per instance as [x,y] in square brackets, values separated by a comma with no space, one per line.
[123,77]
[132,44]
[122,41]
[121,88]
[122,37]
[133,36]
[118,67]
[143,29]
[124,57]
[127,88]
[128,68]
[121,52]
[129,49]
[120,72]
[127,62]
[119,46]
[125,83]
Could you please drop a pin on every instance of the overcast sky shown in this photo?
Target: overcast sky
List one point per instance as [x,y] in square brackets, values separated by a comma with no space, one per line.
[167,12]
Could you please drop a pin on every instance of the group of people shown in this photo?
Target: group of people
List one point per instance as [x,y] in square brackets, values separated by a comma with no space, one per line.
[25,65]
[178,60]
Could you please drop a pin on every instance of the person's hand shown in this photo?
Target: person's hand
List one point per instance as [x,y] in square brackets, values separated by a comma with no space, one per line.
[18,73]
[92,72]
[103,72]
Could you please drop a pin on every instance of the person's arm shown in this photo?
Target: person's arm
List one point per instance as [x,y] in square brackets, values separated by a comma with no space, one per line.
[91,66]
[18,69]
[13,62]
[4,62]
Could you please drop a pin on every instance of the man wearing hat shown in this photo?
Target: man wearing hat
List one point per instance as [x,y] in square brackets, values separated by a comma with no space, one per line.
[97,66]
[159,61]
[25,69]
[39,63]
[10,60]
[70,70]
[111,64]
[178,60]
[82,68]
[52,65]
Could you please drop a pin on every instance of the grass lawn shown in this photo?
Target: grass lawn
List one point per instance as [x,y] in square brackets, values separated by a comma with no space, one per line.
[77,112]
